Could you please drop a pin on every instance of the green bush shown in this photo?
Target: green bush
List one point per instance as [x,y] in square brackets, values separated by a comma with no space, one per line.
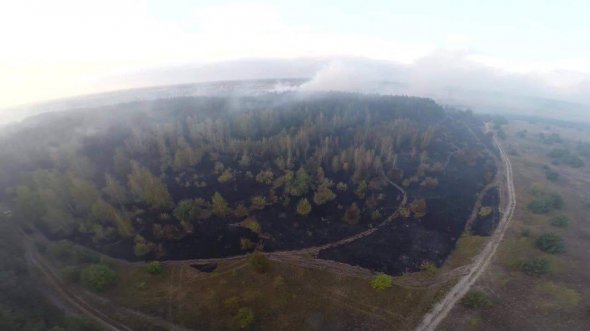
[550,243]
[535,267]
[476,299]
[546,203]
[259,262]
[245,317]
[381,282]
[560,221]
[154,268]
[98,277]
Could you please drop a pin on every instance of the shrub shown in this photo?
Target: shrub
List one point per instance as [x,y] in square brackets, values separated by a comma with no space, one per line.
[259,262]
[381,282]
[375,215]
[535,267]
[476,299]
[550,243]
[98,277]
[560,221]
[485,211]
[154,268]
[245,317]
[429,268]
[546,203]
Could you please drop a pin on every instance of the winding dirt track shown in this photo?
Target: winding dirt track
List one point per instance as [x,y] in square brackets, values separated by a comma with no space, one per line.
[481,261]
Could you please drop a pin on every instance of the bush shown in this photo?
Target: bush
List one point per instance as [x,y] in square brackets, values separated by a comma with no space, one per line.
[560,221]
[245,317]
[546,203]
[259,262]
[98,277]
[476,299]
[485,211]
[154,268]
[535,267]
[550,243]
[381,282]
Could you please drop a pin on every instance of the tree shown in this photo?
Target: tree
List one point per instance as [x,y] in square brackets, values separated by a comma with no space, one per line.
[258,202]
[352,215]
[381,282]
[184,210]
[550,243]
[148,188]
[29,206]
[303,207]
[299,185]
[98,277]
[323,194]
[361,189]
[252,224]
[418,207]
[219,205]
[226,176]
[142,246]
[264,177]
[114,191]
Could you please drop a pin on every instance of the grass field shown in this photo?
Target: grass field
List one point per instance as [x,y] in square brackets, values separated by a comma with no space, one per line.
[559,299]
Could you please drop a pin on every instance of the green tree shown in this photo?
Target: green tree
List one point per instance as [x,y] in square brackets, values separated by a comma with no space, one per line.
[303,207]
[142,246]
[184,210]
[219,205]
[264,177]
[258,202]
[114,191]
[323,195]
[148,188]
[98,277]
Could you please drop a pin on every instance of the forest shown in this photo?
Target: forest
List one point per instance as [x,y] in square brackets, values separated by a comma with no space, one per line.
[205,177]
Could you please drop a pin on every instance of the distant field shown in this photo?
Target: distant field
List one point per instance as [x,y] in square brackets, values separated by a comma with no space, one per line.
[524,295]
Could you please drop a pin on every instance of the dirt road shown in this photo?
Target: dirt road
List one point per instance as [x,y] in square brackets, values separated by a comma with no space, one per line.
[481,261]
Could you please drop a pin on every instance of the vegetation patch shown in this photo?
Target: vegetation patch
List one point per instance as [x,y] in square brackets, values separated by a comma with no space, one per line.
[535,267]
[98,277]
[476,299]
[550,243]
[381,282]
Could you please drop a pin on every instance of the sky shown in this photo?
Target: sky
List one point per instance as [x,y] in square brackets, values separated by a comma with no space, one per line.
[60,48]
